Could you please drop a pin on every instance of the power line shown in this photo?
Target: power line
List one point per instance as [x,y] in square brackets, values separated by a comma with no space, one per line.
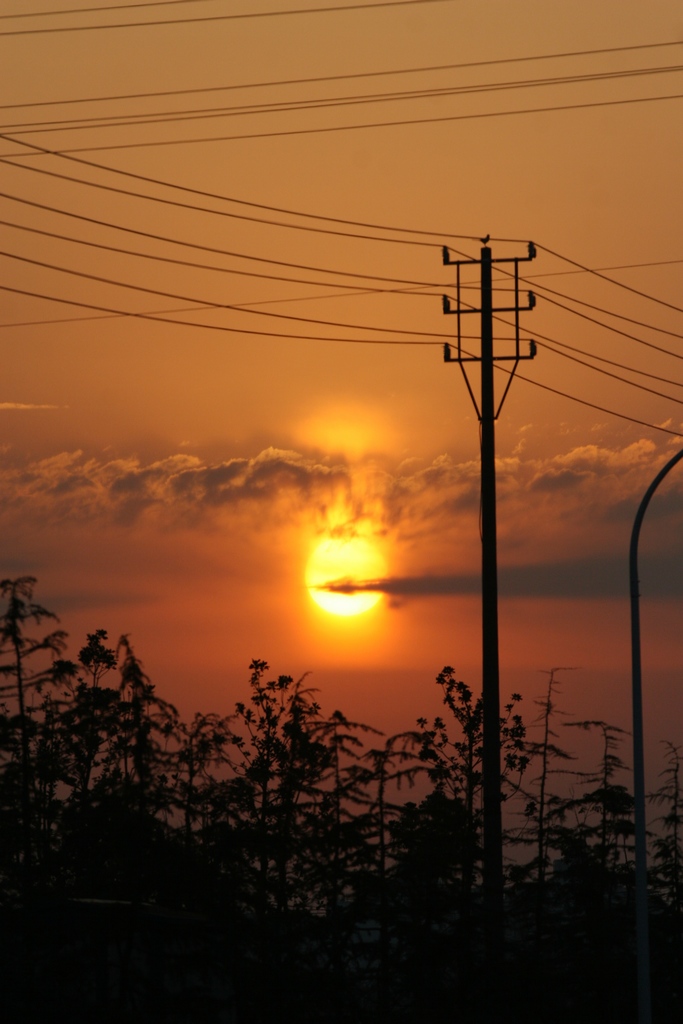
[591,367]
[355,127]
[601,309]
[574,398]
[90,10]
[192,263]
[161,182]
[182,309]
[550,342]
[600,323]
[620,266]
[623,366]
[611,280]
[322,103]
[236,305]
[603,359]
[592,405]
[544,338]
[87,319]
[614,376]
[615,330]
[216,305]
[338,78]
[213,249]
[212,327]
[352,341]
[373,5]
[240,202]
[243,305]
[608,327]
[221,213]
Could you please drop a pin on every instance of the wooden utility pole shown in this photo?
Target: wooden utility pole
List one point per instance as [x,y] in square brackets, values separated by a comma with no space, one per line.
[488,412]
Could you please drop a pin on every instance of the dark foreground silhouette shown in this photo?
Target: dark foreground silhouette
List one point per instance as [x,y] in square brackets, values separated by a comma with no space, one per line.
[284,864]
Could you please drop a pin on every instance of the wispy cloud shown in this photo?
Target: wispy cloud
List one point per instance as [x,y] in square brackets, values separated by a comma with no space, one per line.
[582,494]
[29,405]
[181,487]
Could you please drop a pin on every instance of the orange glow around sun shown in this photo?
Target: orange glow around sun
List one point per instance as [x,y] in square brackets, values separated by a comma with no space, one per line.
[353,560]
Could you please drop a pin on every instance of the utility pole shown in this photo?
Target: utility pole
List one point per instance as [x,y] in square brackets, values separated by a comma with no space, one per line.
[488,412]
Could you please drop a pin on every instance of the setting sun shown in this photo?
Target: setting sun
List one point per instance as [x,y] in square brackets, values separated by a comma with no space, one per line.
[344,562]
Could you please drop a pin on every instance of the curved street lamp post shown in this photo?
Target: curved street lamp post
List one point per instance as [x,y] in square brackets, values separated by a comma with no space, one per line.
[642,936]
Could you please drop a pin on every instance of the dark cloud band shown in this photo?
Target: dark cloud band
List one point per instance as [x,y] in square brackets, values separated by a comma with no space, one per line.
[581,578]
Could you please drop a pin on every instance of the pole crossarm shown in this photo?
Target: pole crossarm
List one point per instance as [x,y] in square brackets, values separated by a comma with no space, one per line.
[494,309]
[487,309]
[448,262]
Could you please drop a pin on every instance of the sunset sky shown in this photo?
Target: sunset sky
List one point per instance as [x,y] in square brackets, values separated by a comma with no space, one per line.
[253,366]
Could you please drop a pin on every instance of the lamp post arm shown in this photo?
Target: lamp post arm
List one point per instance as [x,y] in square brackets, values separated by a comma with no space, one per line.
[642,936]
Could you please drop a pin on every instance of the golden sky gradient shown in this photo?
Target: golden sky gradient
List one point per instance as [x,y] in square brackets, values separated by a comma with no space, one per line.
[172,479]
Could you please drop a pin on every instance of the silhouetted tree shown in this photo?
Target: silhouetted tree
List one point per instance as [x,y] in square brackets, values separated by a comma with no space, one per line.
[454,762]
[279,764]
[386,770]
[540,803]
[205,749]
[23,675]
[343,852]
[666,904]
[604,812]
[455,769]
[667,846]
